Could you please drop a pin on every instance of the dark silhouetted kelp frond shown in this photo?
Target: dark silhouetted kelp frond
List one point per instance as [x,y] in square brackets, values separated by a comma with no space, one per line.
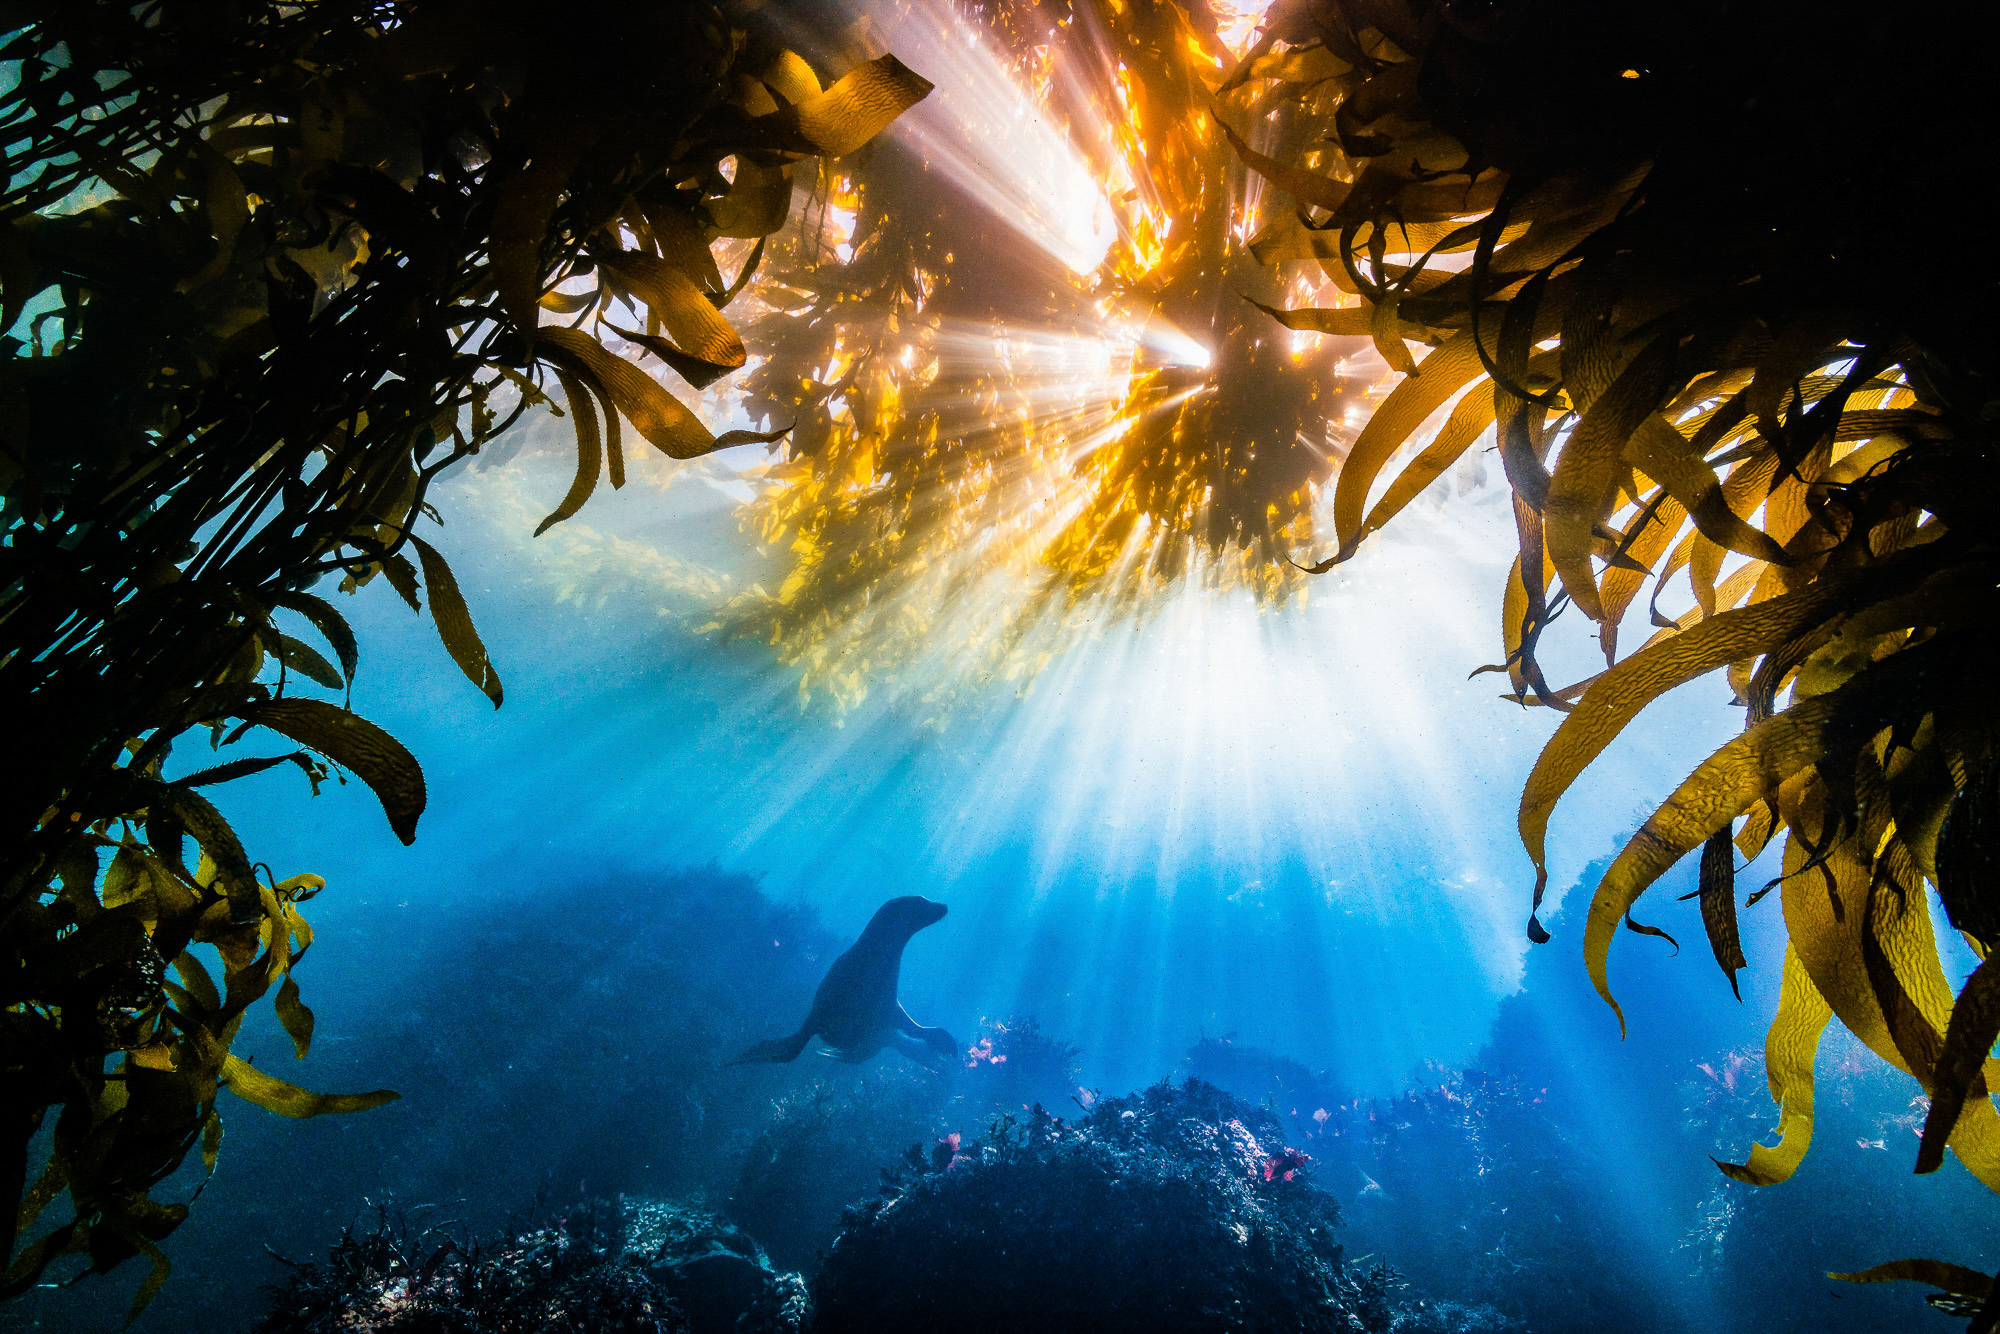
[269,270]
[1708,351]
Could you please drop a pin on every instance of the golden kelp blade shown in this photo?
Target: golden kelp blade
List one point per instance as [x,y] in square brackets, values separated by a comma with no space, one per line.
[691,319]
[589,448]
[654,413]
[351,740]
[1975,1026]
[1444,372]
[1955,1279]
[860,105]
[1717,891]
[1623,692]
[1827,917]
[1789,1050]
[454,622]
[274,1094]
[1746,771]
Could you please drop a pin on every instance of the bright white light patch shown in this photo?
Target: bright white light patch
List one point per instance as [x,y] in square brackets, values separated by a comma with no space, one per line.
[1171,346]
[998,145]
[1236,24]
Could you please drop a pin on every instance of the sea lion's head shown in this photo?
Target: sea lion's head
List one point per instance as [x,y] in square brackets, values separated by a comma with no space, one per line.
[905,916]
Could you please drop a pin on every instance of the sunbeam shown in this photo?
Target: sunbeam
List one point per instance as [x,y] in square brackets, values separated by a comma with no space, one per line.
[998,143]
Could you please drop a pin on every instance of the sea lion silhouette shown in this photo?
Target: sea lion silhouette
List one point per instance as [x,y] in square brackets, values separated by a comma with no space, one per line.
[855,1008]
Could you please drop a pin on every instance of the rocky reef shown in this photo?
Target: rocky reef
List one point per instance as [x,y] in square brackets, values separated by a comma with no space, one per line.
[1178,1208]
[598,1267]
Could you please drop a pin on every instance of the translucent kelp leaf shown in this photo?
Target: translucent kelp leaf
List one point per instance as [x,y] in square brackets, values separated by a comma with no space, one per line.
[1955,1279]
[1975,1026]
[273,1094]
[1747,770]
[293,1014]
[197,984]
[1838,913]
[1718,905]
[454,622]
[1471,418]
[1623,692]
[1443,373]
[156,1277]
[691,320]
[589,455]
[349,739]
[211,1139]
[656,414]
[402,577]
[1789,1050]
[758,201]
[790,77]
[220,845]
[1669,458]
[1581,484]
[304,659]
[329,622]
[859,105]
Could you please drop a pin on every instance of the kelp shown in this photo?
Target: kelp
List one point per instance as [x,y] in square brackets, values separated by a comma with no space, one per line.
[268,271]
[1708,347]
[1650,258]
[1091,431]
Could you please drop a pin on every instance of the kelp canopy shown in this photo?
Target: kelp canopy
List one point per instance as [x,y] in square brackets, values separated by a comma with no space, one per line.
[1033,365]
[1696,273]
[272,269]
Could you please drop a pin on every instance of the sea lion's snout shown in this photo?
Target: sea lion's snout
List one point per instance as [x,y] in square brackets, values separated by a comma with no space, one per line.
[911,913]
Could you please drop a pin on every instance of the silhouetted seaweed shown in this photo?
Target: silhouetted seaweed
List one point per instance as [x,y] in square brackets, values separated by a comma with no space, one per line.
[280,267]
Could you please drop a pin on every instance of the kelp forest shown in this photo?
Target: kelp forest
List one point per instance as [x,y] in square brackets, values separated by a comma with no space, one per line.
[1697,285]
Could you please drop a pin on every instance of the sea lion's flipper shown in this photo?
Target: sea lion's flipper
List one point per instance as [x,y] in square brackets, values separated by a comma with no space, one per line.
[924,1054]
[936,1039]
[849,1055]
[778,1051]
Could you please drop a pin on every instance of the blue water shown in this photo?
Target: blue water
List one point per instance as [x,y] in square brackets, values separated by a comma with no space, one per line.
[1287,835]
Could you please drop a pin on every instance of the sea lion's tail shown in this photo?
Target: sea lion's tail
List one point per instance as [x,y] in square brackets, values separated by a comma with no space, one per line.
[778,1051]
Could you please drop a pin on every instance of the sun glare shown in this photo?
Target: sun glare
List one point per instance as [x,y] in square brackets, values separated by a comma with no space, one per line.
[996,141]
[1021,351]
